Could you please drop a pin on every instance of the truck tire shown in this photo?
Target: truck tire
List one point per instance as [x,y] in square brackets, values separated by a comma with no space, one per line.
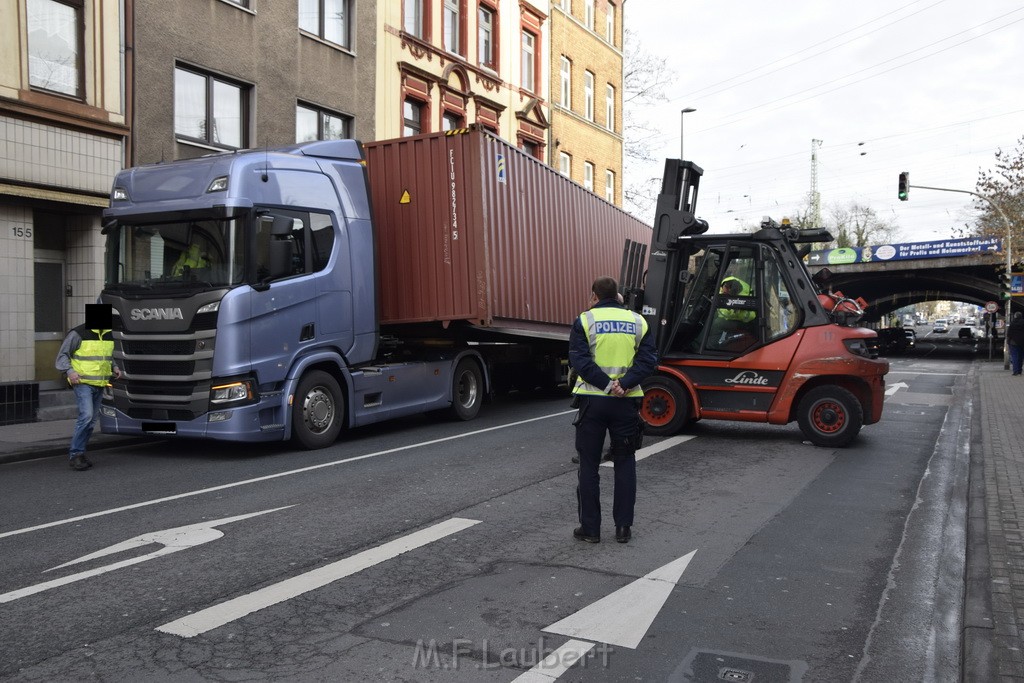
[665,407]
[830,416]
[467,390]
[317,410]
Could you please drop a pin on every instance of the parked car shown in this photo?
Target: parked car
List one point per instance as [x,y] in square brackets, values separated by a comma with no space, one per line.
[892,340]
[940,326]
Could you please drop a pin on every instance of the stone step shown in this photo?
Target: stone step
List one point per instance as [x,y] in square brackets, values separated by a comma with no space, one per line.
[56,405]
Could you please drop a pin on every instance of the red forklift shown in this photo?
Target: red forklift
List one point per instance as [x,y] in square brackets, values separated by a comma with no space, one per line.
[744,332]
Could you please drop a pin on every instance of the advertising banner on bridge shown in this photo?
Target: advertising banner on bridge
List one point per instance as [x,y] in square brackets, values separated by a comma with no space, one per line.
[906,251]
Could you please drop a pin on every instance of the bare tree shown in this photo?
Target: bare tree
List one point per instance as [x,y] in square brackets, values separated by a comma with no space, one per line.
[856,225]
[1004,184]
[645,79]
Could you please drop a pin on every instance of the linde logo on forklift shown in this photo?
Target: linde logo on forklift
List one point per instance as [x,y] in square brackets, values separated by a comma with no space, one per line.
[615,327]
[748,377]
[156,314]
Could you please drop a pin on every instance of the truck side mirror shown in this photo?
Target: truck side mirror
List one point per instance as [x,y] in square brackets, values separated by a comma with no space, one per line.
[280,256]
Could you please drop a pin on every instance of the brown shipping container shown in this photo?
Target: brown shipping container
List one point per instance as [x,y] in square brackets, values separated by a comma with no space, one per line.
[471,228]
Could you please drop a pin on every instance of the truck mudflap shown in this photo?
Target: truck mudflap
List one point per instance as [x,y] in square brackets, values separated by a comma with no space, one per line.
[253,423]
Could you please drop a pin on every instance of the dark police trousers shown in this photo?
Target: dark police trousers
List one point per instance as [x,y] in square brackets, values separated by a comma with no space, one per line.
[617,416]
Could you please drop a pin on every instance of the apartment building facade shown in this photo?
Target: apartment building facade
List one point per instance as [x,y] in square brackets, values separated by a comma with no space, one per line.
[586,94]
[445,64]
[63,131]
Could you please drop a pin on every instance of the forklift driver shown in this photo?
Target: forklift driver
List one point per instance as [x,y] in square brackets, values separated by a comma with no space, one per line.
[731,329]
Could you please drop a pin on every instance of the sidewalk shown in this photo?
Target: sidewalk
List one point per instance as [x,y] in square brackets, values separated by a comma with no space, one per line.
[42,439]
[993,617]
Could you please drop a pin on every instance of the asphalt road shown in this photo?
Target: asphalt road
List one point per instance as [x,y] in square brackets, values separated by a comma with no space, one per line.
[442,551]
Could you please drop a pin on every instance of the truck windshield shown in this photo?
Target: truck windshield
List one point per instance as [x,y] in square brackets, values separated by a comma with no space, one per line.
[196,253]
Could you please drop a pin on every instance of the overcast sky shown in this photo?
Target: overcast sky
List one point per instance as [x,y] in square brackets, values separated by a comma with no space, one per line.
[933,87]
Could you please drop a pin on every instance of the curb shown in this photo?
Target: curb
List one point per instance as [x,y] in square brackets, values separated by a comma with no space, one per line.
[48,451]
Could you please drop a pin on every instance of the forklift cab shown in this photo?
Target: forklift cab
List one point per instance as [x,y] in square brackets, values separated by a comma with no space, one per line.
[739,298]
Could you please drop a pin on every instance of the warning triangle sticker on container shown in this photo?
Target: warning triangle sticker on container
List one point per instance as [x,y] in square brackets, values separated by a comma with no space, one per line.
[406,199]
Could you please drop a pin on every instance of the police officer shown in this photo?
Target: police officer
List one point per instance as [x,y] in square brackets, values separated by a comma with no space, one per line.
[86,358]
[612,351]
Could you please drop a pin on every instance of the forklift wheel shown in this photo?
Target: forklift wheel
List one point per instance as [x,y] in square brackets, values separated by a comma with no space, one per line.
[666,406]
[830,416]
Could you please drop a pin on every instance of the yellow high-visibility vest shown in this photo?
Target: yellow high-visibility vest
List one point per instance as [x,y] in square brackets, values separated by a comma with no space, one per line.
[94,359]
[614,335]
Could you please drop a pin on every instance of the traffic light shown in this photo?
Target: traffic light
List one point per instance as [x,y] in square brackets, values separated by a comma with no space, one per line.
[1005,282]
[904,190]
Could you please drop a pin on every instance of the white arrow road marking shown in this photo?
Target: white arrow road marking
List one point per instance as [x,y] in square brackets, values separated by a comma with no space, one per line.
[226,612]
[896,387]
[648,451]
[556,663]
[172,540]
[623,617]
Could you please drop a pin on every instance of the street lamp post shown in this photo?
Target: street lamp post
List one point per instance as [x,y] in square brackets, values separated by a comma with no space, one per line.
[682,116]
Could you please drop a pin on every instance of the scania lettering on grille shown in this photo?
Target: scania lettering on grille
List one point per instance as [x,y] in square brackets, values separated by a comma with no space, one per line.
[615,327]
[748,377]
[156,314]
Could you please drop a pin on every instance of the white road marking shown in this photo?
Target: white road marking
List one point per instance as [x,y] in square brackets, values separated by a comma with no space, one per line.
[301,470]
[938,374]
[896,387]
[623,617]
[556,663]
[648,451]
[226,612]
[172,540]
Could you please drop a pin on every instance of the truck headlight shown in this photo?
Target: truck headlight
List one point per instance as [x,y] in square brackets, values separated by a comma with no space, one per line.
[232,392]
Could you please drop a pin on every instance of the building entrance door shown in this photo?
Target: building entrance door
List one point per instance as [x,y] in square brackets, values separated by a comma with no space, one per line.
[49,325]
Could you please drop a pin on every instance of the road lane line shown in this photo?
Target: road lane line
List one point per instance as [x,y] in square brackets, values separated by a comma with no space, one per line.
[301,470]
[556,663]
[213,617]
[648,451]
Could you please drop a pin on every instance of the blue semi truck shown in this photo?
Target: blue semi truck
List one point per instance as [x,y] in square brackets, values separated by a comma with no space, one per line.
[289,293]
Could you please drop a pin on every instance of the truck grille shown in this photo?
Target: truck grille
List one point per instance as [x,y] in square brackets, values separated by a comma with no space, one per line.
[180,347]
[159,367]
[161,388]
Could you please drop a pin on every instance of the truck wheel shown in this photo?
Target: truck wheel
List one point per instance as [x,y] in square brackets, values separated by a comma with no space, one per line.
[467,390]
[317,410]
[830,416]
[665,406]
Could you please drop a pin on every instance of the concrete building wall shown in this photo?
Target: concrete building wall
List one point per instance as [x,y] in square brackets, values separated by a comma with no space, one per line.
[261,49]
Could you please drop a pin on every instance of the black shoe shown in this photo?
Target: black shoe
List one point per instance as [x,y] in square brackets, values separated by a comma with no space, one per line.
[576,459]
[578,534]
[79,463]
[88,463]
[623,534]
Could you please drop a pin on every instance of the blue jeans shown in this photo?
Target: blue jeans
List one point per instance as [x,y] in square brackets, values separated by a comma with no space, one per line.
[88,399]
[1015,358]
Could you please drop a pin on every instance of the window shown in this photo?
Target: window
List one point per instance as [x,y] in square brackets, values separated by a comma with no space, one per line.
[529,61]
[313,123]
[588,95]
[780,314]
[413,18]
[412,115]
[565,164]
[451,121]
[310,239]
[485,39]
[566,83]
[208,109]
[452,26]
[588,13]
[609,107]
[588,175]
[609,24]
[609,186]
[55,37]
[241,3]
[328,19]
[530,147]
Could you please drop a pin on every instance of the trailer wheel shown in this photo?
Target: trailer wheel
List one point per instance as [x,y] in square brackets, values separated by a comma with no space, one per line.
[467,390]
[317,410]
[665,407]
[830,416]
